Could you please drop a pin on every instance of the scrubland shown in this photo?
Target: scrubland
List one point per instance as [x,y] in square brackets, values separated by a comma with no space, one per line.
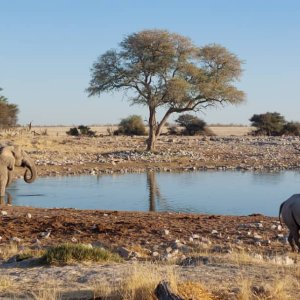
[201,256]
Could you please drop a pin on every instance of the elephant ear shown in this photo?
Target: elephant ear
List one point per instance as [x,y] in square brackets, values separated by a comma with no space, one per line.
[18,155]
[7,158]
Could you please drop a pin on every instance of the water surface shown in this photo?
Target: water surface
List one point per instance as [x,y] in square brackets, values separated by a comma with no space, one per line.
[215,192]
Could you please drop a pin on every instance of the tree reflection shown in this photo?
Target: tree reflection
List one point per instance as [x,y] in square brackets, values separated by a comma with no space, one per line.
[154,193]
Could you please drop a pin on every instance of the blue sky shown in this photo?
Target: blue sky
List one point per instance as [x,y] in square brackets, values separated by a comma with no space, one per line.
[48,47]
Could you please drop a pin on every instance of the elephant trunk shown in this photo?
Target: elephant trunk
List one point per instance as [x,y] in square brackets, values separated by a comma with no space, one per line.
[30,173]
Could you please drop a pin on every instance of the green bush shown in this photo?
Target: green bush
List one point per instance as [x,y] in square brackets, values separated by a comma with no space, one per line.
[133,125]
[291,128]
[270,124]
[68,253]
[73,131]
[8,113]
[81,130]
[192,124]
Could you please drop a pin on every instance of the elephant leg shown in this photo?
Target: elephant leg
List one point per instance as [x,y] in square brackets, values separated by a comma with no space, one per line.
[9,198]
[3,182]
[9,178]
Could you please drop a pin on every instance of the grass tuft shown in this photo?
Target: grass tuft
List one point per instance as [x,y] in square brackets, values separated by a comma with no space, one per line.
[5,283]
[69,253]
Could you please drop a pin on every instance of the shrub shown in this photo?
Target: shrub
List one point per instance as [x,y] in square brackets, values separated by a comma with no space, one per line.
[270,124]
[291,128]
[81,130]
[67,253]
[192,124]
[133,125]
[73,131]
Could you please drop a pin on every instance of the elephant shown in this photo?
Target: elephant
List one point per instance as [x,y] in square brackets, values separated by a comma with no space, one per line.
[290,213]
[11,156]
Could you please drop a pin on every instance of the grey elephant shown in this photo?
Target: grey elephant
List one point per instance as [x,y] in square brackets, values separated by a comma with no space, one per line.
[11,156]
[290,213]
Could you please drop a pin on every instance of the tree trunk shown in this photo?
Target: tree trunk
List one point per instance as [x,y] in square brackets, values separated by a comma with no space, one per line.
[163,122]
[152,130]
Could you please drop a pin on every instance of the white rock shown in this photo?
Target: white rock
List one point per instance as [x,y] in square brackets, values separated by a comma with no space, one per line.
[15,239]
[45,234]
[28,215]
[169,250]
[155,254]
[74,240]
[214,232]
[3,213]
[166,232]
[257,236]
[196,236]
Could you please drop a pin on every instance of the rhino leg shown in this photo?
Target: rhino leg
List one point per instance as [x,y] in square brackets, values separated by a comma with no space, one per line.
[291,241]
[294,238]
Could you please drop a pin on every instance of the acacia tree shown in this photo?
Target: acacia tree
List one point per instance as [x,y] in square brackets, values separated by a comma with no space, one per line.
[166,70]
[268,123]
[8,112]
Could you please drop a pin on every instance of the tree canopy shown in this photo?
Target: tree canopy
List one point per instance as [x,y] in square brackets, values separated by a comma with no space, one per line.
[166,70]
[8,113]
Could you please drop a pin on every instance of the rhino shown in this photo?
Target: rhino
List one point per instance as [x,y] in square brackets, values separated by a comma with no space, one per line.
[290,212]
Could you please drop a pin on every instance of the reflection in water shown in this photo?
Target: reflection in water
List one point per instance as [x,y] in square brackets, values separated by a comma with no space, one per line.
[8,201]
[154,192]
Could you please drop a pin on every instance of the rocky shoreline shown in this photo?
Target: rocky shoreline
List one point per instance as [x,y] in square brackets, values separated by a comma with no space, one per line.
[106,155]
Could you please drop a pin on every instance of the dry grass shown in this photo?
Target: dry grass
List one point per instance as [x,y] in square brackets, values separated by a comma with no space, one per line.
[5,283]
[47,291]
[276,290]
[140,282]
[12,249]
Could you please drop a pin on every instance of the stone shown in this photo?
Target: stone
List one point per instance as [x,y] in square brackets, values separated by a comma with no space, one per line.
[166,232]
[124,252]
[15,239]
[155,254]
